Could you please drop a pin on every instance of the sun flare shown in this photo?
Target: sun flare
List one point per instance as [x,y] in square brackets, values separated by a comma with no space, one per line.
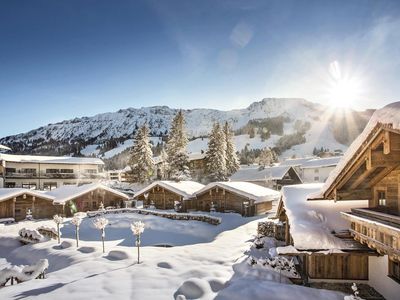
[343,89]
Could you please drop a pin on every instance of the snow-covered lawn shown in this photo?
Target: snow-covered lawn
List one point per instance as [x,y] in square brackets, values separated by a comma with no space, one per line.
[206,262]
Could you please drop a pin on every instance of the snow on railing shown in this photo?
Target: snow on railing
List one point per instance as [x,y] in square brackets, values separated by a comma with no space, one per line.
[23,273]
[169,215]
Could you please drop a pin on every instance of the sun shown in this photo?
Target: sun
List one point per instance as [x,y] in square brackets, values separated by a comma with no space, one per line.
[343,89]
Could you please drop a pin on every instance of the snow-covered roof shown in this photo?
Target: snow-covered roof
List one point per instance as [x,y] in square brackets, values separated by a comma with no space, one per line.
[51,159]
[246,189]
[295,162]
[312,222]
[390,114]
[257,173]
[191,156]
[321,162]
[9,193]
[185,188]
[69,192]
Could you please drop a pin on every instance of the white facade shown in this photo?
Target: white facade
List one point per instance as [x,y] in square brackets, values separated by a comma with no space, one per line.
[48,172]
[379,279]
[318,169]
[316,174]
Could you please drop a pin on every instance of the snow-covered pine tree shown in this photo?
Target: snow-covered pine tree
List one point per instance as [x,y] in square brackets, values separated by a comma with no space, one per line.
[178,159]
[163,166]
[232,161]
[216,155]
[141,160]
[267,157]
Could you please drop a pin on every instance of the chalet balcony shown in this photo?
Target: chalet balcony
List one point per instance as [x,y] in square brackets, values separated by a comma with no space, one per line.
[44,175]
[377,229]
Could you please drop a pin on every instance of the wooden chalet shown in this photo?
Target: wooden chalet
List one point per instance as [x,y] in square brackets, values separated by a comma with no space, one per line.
[167,194]
[86,197]
[245,198]
[15,204]
[274,177]
[370,170]
[317,236]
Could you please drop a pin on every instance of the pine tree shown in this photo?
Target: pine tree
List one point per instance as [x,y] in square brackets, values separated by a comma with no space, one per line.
[267,157]
[178,159]
[141,160]
[216,154]
[163,167]
[232,161]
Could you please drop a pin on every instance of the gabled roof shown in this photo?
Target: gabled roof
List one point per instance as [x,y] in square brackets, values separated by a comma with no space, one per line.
[246,189]
[321,162]
[184,188]
[51,159]
[70,192]
[257,173]
[312,222]
[9,193]
[384,118]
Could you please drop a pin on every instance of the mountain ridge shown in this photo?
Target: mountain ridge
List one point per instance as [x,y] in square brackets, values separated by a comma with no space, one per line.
[110,129]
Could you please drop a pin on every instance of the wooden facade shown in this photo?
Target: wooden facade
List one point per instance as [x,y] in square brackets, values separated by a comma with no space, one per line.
[17,207]
[91,201]
[226,201]
[338,266]
[316,265]
[161,198]
[373,173]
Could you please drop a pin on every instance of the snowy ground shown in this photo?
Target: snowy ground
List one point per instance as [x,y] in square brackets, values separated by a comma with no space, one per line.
[206,262]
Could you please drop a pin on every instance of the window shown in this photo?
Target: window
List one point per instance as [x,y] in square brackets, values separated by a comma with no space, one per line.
[316,178]
[394,269]
[10,184]
[48,186]
[52,171]
[11,170]
[90,171]
[67,171]
[31,186]
[381,198]
[28,171]
[69,183]
[94,204]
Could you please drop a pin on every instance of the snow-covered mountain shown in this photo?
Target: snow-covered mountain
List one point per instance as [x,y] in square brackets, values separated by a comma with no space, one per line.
[108,134]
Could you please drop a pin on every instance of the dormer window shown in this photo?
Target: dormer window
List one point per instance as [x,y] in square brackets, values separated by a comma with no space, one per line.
[381,198]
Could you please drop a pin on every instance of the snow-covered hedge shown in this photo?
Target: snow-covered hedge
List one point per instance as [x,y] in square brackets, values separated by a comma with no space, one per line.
[24,273]
[170,215]
[48,231]
[30,236]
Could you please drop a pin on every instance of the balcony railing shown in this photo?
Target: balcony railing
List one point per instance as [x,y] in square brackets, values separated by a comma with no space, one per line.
[44,175]
[378,230]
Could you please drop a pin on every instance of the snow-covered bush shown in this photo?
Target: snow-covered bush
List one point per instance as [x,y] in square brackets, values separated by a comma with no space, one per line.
[58,220]
[355,295]
[30,236]
[137,229]
[278,264]
[101,223]
[76,221]
[24,273]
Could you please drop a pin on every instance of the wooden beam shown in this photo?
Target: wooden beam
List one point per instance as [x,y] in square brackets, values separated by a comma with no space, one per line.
[382,175]
[361,178]
[361,194]
[386,143]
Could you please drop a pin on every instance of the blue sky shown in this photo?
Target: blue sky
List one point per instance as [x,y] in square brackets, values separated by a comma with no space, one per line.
[65,59]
